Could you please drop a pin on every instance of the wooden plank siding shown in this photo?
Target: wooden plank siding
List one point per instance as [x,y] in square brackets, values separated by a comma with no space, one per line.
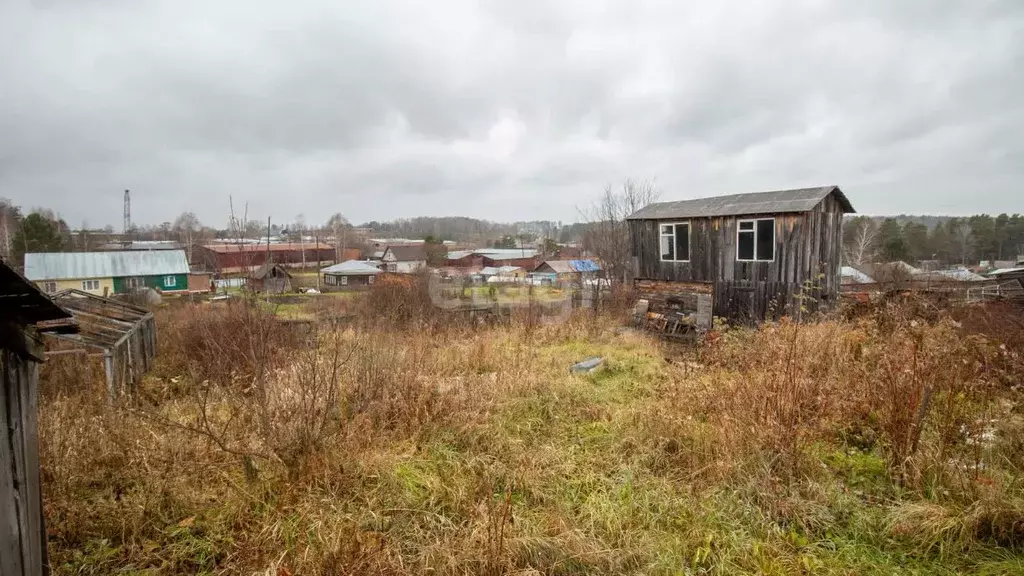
[22,533]
[807,253]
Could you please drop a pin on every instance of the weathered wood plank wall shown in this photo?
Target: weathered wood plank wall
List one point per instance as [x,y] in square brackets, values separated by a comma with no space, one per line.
[22,532]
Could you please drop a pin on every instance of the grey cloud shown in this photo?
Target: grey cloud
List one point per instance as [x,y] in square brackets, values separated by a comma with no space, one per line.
[505,110]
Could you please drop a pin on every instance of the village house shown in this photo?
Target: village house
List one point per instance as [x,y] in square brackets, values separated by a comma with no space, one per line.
[495,257]
[406,259]
[104,273]
[758,255]
[350,274]
[566,270]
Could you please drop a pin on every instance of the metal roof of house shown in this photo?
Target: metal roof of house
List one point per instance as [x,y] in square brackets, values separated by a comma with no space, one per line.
[851,275]
[412,253]
[584,265]
[351,268]
[78,265]
[570,266]
[960,275]
[142,245]
[495,253]
[262,247]
[775,202]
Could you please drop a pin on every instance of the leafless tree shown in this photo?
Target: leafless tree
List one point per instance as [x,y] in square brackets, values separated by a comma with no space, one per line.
[607,234]
[9,216]
[188,227]
[864,246]
[338,226]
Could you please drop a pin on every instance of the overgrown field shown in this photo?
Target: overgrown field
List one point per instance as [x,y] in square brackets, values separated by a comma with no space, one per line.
[892,443]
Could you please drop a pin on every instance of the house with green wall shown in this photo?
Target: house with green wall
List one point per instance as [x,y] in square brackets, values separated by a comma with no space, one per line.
[105,273]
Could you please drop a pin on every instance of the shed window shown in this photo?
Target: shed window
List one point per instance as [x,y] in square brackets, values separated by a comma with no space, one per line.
[755,240]
[675,242]
[329,280]
[90,285]
[170,281]
[369,279]
[134,282]
[344,280]
[50,287]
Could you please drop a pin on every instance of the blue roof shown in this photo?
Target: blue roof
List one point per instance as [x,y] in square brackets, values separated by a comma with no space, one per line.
[584,265]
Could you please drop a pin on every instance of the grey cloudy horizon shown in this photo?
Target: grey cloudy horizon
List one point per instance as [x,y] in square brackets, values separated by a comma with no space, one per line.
[501,110]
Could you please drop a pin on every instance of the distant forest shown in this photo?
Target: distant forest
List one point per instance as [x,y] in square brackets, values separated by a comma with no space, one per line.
[472,230]
[948,240]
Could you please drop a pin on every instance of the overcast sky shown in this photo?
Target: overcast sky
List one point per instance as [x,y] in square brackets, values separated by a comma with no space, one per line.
[501,109]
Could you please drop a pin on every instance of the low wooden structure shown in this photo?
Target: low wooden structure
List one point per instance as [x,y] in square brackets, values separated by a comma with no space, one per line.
[124,334]
[22,529]
[760,255]
[271,278]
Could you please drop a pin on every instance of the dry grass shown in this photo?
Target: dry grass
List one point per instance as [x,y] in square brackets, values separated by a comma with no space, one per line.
[420,444]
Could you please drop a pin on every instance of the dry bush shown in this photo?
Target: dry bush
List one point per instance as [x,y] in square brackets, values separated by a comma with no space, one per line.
[237,341]
[398,300]
[918,390]
[71,374]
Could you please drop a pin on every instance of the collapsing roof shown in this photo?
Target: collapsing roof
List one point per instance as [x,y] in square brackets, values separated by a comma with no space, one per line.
[270,269]
[775,202]
[78,265]
[125,333]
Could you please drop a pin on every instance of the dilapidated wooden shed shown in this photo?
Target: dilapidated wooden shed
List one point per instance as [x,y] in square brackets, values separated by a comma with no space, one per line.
[123,333]
[760,255]
[22,530]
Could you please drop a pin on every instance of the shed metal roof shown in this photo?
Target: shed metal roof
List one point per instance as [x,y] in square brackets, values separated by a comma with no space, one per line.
[774,202]
[23,303]
[351,268]
[78,265]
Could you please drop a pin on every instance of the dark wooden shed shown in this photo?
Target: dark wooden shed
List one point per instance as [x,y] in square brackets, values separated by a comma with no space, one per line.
[22,530]
[271,278]
[760,255]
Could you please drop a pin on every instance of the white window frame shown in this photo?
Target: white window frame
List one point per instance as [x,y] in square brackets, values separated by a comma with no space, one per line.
[134,282]
[689,247]
[369,279]
[88,285]
[49,286]
[170,281]
[344,280]
[754,232]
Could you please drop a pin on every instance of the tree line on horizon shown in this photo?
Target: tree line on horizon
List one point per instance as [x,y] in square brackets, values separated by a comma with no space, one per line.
[866,239]
[945,240]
